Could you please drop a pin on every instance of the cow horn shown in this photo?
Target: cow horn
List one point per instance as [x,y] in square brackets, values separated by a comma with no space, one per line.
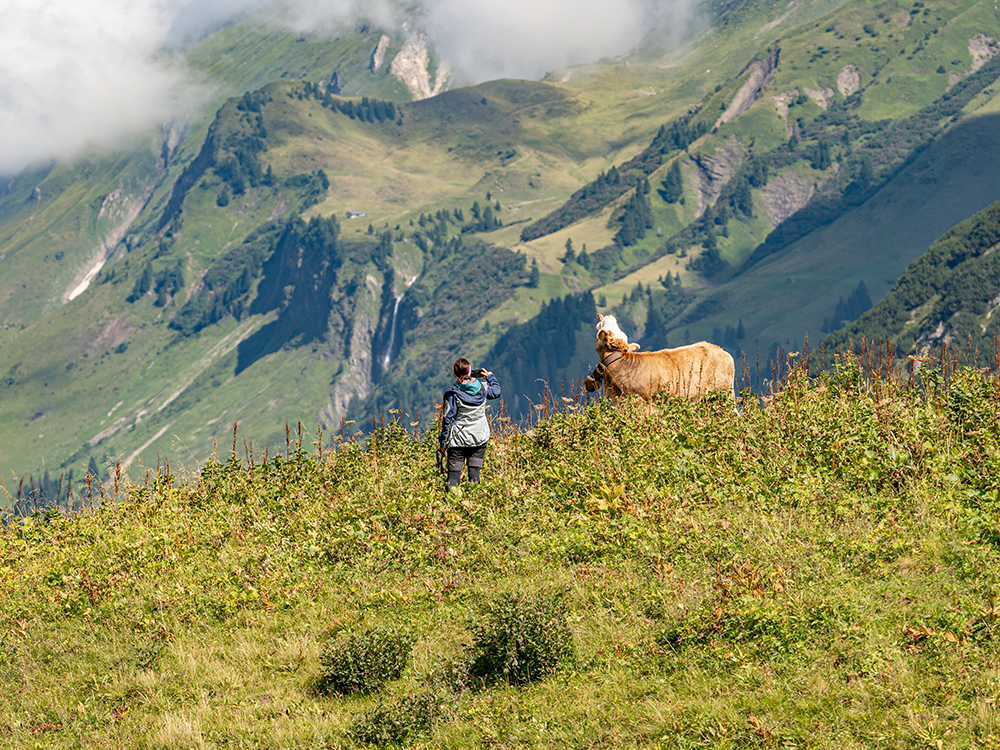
[600,317]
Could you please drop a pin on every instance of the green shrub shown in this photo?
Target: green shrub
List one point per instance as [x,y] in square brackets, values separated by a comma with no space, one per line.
[520,639]
[365,661]
[395,723]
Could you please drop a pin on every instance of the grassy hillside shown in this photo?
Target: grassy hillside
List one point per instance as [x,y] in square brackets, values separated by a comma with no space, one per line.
[820,572]
[83,212]
[252,53]
[842,237]
[946,295]
[789,294]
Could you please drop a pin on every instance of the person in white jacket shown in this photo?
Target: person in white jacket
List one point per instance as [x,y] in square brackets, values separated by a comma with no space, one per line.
[465,431]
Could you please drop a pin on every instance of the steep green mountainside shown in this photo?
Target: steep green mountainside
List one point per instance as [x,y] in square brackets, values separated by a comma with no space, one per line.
[947,295]
[805,192]
[60,222]
[252,53]
[227,282]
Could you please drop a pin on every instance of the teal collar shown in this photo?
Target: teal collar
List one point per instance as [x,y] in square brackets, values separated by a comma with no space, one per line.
[471,388]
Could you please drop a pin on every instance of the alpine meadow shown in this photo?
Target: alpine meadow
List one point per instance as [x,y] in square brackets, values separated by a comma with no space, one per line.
[224,339]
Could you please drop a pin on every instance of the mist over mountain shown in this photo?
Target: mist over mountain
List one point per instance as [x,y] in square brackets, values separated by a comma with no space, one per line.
[75,75]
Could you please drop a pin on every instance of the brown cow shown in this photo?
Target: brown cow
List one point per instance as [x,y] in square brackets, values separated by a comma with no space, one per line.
[686,372]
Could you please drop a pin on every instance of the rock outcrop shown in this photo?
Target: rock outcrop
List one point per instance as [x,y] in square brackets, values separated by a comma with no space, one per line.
[782,102]
[378,56]
[982,48]
[412,68]
[762,73]
[120,209]
[356,381]
[786,194]
[848,80]
[821,96]
[715,170]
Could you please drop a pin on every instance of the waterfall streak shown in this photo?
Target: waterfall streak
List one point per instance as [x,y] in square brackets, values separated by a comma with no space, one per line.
[392,331]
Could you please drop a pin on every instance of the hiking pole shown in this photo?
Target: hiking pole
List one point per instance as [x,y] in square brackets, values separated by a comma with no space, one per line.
[439,456]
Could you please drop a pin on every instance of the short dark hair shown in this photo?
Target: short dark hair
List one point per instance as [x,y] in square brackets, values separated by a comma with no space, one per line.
[462,368]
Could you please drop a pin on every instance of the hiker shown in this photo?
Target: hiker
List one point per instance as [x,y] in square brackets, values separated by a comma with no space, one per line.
[464,427]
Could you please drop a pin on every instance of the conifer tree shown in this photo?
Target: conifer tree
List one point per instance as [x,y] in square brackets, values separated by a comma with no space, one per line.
[535,275]
[143,284]
[570,255]
[742,198]
[821,156]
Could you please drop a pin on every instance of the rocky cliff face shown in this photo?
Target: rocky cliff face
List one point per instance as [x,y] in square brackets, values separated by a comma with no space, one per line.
[715,170]
[848,80]
[356,381]
[786,194]
[762,73]
[378,56]
[412,68]
[982,48]
[120,208]
[782,102]
[821,96]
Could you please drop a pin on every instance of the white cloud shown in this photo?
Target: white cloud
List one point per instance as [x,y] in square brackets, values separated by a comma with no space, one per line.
[75,73]
[527,38]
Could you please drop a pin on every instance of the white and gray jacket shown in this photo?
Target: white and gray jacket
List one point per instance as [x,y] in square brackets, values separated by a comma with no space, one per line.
[464,424]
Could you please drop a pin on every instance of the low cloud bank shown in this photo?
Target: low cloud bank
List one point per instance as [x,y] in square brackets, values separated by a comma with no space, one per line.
[75,74]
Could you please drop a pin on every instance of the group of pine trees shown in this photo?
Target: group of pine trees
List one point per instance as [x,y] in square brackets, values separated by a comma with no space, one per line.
[856,305]
[541,349]
[637,217]
[483,220]
[236,160]
[730,337]
[571,256]
[592,196]
[672,186]
[367,110]
[62,492]
[434,227]
[227,282]
[311,186]
[165,284]
[617,181]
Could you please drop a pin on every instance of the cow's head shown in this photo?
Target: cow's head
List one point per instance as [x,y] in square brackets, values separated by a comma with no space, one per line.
[610,336]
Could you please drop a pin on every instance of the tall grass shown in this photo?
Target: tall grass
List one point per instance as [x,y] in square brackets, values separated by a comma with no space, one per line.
[816,569]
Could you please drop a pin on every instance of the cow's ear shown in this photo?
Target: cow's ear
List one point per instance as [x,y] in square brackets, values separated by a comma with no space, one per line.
[633,347]
[600,317]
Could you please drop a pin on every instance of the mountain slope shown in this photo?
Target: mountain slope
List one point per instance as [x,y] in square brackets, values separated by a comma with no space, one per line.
[836,160]
[947,295]
[240,290]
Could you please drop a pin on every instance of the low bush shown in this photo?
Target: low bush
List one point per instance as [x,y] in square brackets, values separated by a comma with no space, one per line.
[520,639]
[396,723]
[365,661]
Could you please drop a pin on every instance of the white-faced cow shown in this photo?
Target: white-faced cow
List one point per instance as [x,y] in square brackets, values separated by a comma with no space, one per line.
[686,372]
